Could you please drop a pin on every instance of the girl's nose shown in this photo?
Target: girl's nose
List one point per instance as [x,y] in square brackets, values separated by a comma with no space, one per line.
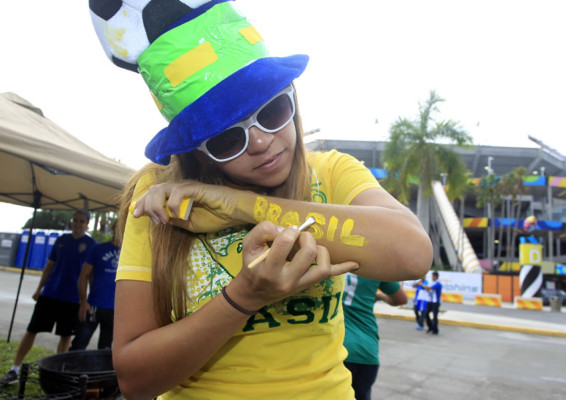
[259,140]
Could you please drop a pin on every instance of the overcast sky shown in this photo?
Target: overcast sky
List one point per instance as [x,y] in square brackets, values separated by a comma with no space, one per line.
[500,65]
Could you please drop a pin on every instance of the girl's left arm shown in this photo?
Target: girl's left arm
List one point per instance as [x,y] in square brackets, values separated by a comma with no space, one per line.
[383,236]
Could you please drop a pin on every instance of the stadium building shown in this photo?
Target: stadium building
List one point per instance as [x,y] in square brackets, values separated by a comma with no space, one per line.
[544,198]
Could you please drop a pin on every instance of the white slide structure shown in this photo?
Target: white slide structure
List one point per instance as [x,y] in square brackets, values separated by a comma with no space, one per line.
[464,249]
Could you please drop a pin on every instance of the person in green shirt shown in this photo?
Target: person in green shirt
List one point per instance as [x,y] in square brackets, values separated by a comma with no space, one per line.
[362,335]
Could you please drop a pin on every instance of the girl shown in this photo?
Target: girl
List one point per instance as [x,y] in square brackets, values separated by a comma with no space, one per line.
[193,320]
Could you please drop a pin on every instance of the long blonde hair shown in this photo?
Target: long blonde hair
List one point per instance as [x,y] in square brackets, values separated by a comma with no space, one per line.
[170,245]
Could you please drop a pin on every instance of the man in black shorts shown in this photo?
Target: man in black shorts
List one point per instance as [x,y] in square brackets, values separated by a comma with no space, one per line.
[57,294]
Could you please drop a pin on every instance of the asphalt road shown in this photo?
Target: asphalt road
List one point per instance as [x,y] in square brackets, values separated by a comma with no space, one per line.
[468,363]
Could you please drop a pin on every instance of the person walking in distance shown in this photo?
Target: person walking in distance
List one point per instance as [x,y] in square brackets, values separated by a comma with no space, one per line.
[435,291]
[57,299]
[420,301]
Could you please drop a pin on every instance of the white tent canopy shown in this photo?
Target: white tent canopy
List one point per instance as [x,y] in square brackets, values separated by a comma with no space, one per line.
[43,166]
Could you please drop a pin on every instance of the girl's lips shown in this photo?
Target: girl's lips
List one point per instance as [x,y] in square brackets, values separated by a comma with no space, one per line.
[270,163]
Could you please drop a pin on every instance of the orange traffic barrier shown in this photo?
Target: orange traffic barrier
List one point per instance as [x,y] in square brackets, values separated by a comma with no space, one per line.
[448,297]
[492,300]
[528,303]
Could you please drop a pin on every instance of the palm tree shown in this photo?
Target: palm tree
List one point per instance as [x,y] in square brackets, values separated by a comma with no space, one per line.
[503,189]
[413,153]
[489,195]
[517,177]
[468,188]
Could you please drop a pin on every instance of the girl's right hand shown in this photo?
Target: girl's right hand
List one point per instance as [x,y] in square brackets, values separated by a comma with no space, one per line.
[214,207]
[276,278]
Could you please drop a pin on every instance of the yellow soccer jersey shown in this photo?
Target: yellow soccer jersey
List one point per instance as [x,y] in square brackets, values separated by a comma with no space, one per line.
[291,349]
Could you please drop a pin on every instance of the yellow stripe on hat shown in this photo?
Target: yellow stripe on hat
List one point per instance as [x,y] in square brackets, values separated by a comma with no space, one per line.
[189,63]
[157,102]
[251,34]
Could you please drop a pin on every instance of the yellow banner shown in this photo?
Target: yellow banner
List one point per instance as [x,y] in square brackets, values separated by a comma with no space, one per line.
[530,254]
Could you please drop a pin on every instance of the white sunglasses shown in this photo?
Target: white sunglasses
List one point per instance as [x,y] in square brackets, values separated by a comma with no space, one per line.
[271,117]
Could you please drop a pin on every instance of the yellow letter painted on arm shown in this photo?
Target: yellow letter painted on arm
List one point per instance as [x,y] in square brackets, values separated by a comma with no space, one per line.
[260,208]
[347,238]
[331,231]
[273,213]
[317,227]
[290,218]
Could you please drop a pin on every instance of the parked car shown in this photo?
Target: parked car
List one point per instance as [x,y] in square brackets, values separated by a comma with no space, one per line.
[548,293]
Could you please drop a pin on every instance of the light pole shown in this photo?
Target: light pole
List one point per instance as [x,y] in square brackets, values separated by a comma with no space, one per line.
[488,168]
[490,230]
[548,213]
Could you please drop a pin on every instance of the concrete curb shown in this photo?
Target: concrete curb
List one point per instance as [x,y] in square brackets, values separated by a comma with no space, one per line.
[19,270]
[481,325]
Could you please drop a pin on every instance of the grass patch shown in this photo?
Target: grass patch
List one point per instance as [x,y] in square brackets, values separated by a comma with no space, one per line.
[7,354]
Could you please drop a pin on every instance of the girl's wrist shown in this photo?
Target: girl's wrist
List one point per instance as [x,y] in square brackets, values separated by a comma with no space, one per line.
[244,211]
[238,292]
[236,305]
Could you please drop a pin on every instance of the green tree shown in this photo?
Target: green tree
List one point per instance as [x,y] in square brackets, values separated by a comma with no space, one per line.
[468,188]
[504,192]
[101,224]
[489,195]
[418,151]
[517,189]
[51,219]
[503,189]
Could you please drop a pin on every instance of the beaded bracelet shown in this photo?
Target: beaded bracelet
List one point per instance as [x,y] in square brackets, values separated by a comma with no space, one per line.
[236,306]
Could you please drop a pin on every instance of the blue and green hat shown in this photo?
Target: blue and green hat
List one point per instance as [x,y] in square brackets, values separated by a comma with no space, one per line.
[207,70]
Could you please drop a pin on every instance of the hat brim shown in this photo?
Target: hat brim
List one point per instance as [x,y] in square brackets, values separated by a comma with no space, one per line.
[226,104]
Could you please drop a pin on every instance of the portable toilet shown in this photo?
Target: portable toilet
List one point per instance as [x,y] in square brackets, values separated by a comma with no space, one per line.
[24,239]
[8,248]
[38,244]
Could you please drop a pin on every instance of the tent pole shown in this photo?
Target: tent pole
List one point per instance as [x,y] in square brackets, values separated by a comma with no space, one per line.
[22,274]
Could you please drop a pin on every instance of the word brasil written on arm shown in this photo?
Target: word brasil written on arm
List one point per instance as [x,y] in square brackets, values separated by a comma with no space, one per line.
[266,211]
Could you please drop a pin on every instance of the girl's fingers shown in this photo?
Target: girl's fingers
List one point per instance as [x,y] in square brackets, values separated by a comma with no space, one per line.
[176,196]
[282,245]
[138,210]
[152,204]
[143,207]
[255,241]
[304,257]
[342,268]
[155,207]
[317,270]
[322,269]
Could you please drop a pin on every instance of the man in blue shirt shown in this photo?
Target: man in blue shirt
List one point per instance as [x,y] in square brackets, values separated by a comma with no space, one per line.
[435,290]
[56,296]
[100,270]
[420,301]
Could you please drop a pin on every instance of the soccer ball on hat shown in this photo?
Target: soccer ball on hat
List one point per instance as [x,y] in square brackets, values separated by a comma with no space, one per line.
[126,28]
